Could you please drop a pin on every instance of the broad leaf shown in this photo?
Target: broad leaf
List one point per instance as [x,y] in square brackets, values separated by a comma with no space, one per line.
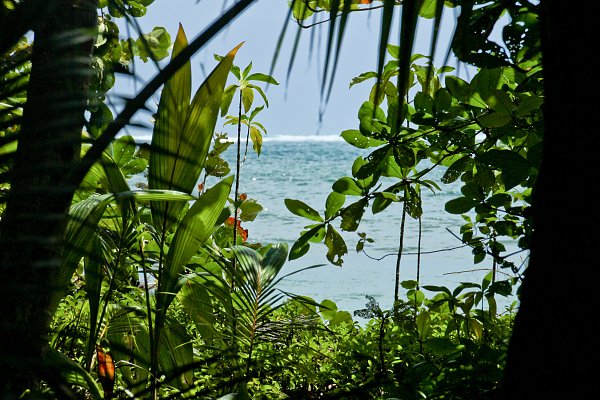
[183,132]
[196,226]
[301,209]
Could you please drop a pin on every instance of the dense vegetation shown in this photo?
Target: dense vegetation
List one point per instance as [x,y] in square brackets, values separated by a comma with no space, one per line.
[158,292]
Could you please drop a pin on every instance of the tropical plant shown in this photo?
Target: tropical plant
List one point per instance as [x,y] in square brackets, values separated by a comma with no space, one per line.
[486,148]
[246,90]
[62,169]
[527,30]
[37,199]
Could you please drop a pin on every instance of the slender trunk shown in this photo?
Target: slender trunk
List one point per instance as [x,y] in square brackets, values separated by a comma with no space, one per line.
[551,348]
[32,229]
[237,173]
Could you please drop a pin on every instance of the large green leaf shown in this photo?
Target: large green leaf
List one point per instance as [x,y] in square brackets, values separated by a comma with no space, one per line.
[183,132]
[256,296]
[93,285]
[262,270]
[83,223]
[197,303]
[72,373]
[195,227]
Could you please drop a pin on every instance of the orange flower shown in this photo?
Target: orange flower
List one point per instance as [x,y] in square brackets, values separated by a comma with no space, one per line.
[106,371]
[243,233]
[366,1]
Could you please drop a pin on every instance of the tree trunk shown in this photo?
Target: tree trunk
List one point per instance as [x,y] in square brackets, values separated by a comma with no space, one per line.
[32,230]
[550,349]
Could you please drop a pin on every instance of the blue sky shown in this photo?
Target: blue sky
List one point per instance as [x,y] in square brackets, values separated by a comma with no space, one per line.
[294,104]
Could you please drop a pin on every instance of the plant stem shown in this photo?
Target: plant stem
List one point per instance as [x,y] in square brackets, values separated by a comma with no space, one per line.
[419,253]
[247,141]
[237,175]
[147,291]
[400,247]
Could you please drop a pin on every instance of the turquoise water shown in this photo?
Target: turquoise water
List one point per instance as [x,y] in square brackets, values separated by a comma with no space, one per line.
[304,168]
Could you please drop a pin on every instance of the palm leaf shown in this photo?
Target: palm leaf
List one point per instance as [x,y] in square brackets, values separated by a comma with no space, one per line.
[168,129]
[84,217]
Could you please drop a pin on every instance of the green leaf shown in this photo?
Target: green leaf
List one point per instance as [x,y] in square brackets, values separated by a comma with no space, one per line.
[335,201]
[183,132]
[155,45]
[246,70]
[486,81]
[328,309]
[196,301]
[196,226]
[529,104]
[415,297]
[347,186]
[382,201]
[301,246]
[261,93]
[301,209]
[460,205]
[500,101]
[260,271]
[515,168]
[59,365]
[409,284]
[428,8]
[372,118]
[423,324]
[123,152]
[257,139]
[434,288]
[227,99]
[262,78]
[249,210]
[404,156]
[176,354]
[423,102]
[336,246]
[499,199]
[455,170]
[352,215]
[93,263]
[99,120]
[81,228]
[372,164]
[247,98]
[363,77]
[357,139]
[494,120]
[341,317]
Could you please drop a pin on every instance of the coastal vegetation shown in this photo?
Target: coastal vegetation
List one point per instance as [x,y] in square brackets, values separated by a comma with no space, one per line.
[156,291]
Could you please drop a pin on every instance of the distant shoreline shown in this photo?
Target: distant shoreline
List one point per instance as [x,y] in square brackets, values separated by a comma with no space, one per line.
[267,138]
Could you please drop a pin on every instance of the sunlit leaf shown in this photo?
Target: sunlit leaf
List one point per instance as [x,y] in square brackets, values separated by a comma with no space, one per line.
[301,209]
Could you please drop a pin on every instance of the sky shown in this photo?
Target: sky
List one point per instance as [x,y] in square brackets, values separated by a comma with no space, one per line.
[294,104]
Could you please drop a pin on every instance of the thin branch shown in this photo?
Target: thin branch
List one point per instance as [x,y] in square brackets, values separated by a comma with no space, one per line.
[414,253]
[300,24]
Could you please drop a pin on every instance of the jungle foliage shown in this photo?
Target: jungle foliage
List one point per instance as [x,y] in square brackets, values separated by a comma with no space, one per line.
[159,291]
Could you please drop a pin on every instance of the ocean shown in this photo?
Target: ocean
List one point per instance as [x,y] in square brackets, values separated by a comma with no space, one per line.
[304,168]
